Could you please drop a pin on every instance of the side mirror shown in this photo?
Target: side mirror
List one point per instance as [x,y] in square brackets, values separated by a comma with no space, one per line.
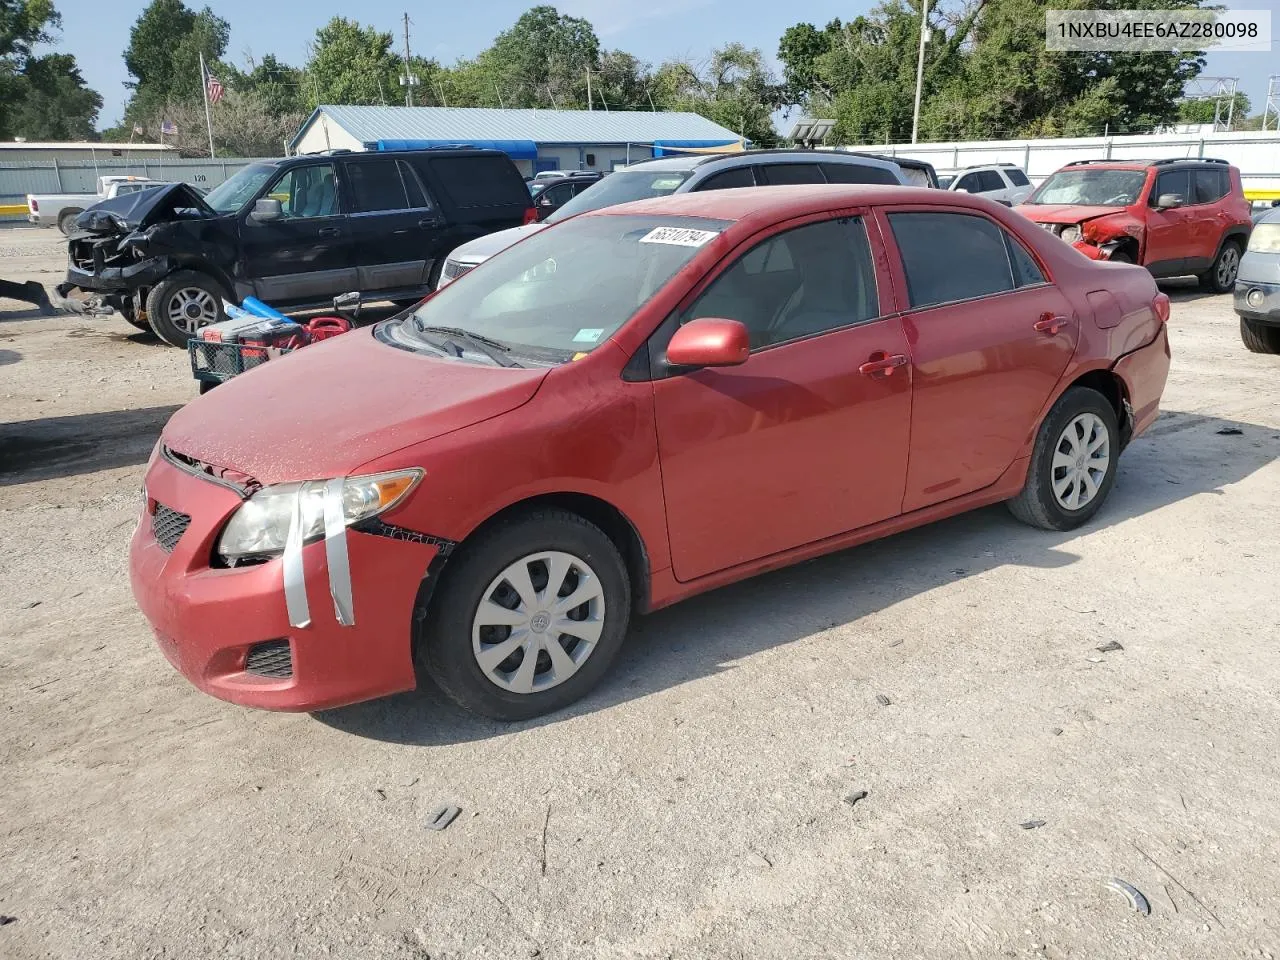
[1170,201]
[709,342]
[347,304]
[266,210]
[545,202]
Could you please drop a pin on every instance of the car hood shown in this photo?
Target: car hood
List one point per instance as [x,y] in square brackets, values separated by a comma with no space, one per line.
[1063,212]
[491,244]
[137,211]
[331,407]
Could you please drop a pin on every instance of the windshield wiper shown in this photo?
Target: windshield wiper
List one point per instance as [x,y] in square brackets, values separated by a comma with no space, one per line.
[493,349]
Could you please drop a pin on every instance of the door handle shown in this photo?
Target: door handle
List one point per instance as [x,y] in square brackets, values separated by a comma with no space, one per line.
[1051,323]
[427,222]
[881,362]
[329,231]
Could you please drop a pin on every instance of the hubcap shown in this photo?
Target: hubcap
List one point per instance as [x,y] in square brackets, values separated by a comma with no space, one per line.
[1080,461]
[1228,264]
[192,308]
[538,621]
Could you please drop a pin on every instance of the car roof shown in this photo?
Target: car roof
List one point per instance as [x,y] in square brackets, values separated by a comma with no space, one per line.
[718,161]
[1146,164]
[780,203]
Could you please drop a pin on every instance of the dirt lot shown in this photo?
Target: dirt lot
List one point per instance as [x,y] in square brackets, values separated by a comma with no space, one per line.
[695,805]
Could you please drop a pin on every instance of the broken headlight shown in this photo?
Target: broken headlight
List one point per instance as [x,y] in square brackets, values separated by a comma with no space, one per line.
[1070,233]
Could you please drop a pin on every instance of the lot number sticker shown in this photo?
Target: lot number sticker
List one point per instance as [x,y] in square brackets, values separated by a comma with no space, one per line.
[679,236]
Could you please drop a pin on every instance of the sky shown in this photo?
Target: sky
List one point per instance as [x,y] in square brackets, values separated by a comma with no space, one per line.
[653,30]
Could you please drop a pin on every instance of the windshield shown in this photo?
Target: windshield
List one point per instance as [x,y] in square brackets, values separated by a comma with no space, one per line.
[230,195]
[622,187]
[1094,188]
[564,291]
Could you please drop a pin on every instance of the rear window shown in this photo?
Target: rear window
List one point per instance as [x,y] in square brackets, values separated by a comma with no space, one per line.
[480,181]
[865,173]
[622,186]
[1017,177]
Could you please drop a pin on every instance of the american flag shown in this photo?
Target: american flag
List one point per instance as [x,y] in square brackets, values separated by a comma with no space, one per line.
[213,87]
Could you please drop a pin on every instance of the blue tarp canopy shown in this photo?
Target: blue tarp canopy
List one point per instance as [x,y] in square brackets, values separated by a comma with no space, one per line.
[515,149]
[676,147]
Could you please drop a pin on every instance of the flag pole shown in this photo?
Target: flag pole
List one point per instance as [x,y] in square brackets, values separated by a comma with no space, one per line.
[208,118]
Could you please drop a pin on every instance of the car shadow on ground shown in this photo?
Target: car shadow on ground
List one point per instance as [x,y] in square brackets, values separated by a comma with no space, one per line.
[53,447]
[1186,290]
[708,634]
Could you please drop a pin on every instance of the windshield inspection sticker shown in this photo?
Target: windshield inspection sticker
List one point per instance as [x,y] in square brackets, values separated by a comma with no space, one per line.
[588,335]
[679,236]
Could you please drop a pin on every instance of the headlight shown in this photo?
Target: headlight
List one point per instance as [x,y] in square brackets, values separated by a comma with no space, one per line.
[1070,233]
[1265,238]
[261,525]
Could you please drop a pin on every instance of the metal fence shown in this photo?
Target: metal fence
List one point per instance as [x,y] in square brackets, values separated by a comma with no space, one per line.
[21,177]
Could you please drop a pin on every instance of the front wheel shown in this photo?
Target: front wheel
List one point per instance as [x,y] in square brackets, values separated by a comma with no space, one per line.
[527,618]
[1073,464]
[183,302]
[1258,337]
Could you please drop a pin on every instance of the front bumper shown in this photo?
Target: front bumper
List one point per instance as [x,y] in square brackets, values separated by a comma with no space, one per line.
[206,620]
[1265,307]
[121,279]
[1145,372]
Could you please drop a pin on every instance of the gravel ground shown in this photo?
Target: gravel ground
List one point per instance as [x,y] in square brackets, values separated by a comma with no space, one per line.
[695,806]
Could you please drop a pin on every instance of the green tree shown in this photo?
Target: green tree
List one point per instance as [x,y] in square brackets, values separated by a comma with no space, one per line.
[163,56]
[278,86]
[734,88]
[41,97]
[1202,110]
[351,63]
[543,59]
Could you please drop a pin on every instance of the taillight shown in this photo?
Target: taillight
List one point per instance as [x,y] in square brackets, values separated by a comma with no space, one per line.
[1161,306]
[35,205]
[530,216]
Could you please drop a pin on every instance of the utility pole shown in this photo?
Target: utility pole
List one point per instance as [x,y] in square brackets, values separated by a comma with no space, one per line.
[590,106]
[409,80]
[924,37]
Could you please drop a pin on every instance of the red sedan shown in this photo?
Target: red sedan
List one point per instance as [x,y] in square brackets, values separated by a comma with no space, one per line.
[637,405]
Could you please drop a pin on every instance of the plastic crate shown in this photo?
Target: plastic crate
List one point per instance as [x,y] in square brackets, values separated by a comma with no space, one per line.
[215,362]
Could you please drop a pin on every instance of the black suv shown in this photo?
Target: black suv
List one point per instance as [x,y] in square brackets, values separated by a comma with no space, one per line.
[293,232]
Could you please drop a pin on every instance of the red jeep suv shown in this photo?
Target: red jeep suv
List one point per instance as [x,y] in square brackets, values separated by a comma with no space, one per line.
[1174,217]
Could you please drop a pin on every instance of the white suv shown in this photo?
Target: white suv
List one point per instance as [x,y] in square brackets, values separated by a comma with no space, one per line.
[1001,182]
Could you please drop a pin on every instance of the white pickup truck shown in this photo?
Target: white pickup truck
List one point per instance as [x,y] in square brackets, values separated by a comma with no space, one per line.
[48,209]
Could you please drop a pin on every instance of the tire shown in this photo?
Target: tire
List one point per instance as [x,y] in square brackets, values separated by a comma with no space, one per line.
[1119,257]
[132,318]
[452,637]
[67,221]
[186,293]
[1221,277]
[1083,411]
[1258,337]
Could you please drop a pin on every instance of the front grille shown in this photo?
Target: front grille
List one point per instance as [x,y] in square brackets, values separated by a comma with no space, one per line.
[168,526]
[270,659]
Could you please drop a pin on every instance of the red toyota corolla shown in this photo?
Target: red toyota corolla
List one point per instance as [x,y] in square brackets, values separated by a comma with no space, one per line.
[637,405]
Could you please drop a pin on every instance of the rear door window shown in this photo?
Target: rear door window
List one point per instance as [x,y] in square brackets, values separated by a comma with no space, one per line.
[480,181]
[971,182]
[857,173]
[412,187]
[990,180]
[729,179]
[376,186]
[951,256]
[780,174]
[1017,177]
[1210,185]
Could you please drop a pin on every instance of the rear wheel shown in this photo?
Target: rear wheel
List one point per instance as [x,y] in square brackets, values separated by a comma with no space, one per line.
[183,302]
[528,617]
[1120,257]
[67,221]
[1221,277]
[1258,337]
[1073,464]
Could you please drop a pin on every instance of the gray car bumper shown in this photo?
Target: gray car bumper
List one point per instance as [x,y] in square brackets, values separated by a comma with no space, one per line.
[1258,301]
